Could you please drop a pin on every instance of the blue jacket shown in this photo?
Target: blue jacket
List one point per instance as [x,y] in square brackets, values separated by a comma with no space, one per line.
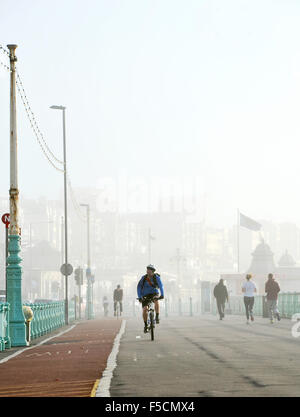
[147,288]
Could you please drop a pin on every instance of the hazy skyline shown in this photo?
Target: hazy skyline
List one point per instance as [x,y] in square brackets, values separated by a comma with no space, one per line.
[204,89]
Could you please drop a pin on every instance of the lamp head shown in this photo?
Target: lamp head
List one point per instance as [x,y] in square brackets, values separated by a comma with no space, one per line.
[57,107]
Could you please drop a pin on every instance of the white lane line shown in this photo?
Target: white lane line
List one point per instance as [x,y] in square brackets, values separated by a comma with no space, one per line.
[104,385]
[34,346]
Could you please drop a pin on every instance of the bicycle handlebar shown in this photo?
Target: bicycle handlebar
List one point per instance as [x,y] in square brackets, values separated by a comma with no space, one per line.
[154,297]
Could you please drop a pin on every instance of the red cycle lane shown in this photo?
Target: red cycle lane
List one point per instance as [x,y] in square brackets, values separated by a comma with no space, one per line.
[65,366]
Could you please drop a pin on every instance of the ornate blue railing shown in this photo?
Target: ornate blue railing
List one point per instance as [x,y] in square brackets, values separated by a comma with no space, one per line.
[47,317]
[4,327]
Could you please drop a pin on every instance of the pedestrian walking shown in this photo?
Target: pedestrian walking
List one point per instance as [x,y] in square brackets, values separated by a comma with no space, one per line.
[118,298]
[221,295]
[249,288]
[272,289]
[105,306]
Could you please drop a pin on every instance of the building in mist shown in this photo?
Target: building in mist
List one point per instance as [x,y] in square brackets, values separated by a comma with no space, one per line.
[41,276]
[286,272]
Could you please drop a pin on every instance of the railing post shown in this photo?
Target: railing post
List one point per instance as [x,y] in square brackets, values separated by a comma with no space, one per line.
[2,330]
[33,322]
[62,313]
[56,315]
[38,320]
[44,319]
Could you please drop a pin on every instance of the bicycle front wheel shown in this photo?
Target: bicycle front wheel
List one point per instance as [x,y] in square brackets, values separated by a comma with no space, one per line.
[152,325]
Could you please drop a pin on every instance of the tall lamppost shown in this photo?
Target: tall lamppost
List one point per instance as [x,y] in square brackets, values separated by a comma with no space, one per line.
[66,213]
[89,304]
[17,329]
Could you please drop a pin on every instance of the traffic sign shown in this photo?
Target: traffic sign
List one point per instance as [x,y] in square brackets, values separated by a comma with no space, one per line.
[79,276]
[6,219]
[66,269]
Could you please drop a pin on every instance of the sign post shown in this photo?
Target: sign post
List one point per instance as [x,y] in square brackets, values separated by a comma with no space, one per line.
[66,270]
[5,220]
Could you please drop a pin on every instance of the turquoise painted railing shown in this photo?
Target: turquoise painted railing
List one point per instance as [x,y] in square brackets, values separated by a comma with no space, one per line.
[46,318]
[49,316]
[71,310]
[288,304]
[4,329]
[236,305]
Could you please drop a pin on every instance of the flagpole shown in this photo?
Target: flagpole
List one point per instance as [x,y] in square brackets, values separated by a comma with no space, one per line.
[238,240]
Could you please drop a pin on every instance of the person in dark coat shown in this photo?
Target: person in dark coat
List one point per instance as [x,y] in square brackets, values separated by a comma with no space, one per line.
[272,289]
[221,294]
[118,298]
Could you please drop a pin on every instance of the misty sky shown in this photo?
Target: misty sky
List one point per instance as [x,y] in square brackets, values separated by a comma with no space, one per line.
[171,88]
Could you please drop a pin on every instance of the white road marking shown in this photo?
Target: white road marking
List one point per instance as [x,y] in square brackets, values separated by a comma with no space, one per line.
[104,385]
[32,347]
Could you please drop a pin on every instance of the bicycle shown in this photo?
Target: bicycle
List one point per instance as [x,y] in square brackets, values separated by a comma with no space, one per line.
[150,310]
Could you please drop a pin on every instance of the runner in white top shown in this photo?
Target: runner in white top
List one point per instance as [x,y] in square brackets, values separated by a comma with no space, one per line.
[249,288]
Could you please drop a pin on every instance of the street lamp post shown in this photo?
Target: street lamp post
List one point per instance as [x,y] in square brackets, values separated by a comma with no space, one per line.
[150,238]
[89,303]
[17,329]
[65,205]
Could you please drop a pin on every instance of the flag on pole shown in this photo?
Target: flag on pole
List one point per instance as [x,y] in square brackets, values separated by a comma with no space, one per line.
[150,236]
[249,223]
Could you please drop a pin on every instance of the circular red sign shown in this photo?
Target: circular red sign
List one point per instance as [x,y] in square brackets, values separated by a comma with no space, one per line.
[5,219]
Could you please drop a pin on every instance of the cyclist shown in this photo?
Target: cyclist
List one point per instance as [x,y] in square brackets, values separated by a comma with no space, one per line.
[118,297]
[147,287]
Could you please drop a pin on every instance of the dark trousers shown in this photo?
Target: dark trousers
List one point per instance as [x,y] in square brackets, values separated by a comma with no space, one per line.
[221,307]
[249,303]
[115,305]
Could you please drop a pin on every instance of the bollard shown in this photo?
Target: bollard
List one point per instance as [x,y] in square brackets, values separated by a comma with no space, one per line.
[28,314]
[265,312]
[191,306]
[179,307]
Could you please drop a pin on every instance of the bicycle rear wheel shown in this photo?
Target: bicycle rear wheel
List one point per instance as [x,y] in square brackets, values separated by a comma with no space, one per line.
[152,325]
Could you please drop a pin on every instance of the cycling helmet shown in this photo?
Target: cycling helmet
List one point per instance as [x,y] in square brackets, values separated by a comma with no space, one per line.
[150,266]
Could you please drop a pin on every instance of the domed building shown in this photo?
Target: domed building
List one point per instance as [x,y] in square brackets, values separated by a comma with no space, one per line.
[262,260]
[287,273]
[286,260]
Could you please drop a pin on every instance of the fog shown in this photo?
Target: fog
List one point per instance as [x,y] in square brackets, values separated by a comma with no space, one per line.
[177,115]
